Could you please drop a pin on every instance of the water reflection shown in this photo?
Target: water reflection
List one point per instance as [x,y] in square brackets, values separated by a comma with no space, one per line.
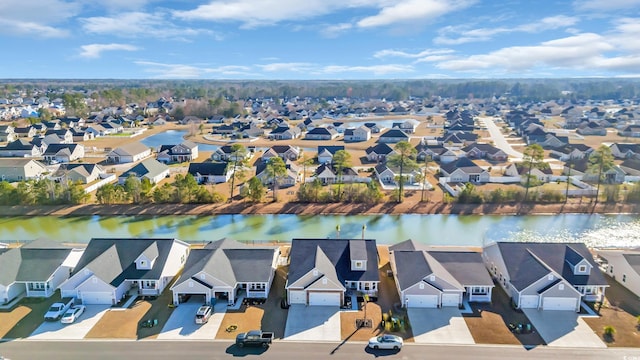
[595,230]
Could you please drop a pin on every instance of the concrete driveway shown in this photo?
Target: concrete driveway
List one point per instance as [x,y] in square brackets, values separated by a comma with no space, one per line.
[181,324]
[314,323]
[439,326]
[55,330]
[563,329]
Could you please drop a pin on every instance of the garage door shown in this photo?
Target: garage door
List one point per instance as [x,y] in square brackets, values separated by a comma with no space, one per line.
[450,299]
[529,302]
[297,297]
[421,301]
[559,303]
[324,298]
[97,298]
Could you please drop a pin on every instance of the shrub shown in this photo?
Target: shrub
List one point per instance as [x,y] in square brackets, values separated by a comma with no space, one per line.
[609,331]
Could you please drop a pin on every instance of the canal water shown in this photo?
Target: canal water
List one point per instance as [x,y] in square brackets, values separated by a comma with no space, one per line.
[467,230]
[173,137]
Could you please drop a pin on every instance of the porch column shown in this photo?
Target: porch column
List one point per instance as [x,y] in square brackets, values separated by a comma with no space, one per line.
[232,296]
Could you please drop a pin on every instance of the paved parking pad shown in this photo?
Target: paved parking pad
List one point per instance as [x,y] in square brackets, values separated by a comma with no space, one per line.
[439,326]
[182,325]
[55,330]
[316,323]
[563,329]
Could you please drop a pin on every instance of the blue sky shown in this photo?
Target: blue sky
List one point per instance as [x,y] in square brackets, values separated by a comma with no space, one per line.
[319,39]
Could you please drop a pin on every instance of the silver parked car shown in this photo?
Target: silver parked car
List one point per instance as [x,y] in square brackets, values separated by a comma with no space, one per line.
[386,342]
[72,314]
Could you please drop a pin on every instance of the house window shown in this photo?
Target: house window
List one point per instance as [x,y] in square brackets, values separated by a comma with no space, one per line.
[358,264]
[315,272]
[421,286]
[550,277]
[366,286]
[589,290]
[432,278]
[203,276]
[561,287]
[143,263]
[324,281]
[624,277]
[190,283]
[611,269]
[582,268]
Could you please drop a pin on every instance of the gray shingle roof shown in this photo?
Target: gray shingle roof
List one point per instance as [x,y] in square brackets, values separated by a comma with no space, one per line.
[634,261]
[35,261]
[230,261]
[304,253]
[466,266]
[113,260]
[528,262]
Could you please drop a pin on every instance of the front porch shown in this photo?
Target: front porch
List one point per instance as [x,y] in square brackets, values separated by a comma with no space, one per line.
[478,293]
[369,288]
[39,289]
[144,287]
[592,292]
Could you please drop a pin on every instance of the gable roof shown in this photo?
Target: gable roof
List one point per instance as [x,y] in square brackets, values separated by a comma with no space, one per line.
[113,260]
[380,149]
[466,266]
[528,262]
[55,149]
[34,261]
[149,168]
[230,261]
[395,133]
[463,164]
[330,149]
[304,257]
[131,149]
[208,168]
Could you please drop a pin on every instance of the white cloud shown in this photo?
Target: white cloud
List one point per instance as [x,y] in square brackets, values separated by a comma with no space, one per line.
[336,29]
[184,71]
[288,66]
[606,5]
[255,13]
[93,51]
[139,24]
[36,18]
[413,10]
[373,69]
[403,54]
[586,51]
[456,35]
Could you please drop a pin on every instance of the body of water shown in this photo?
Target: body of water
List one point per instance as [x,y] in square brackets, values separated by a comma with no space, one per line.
[173,137]
[468,230]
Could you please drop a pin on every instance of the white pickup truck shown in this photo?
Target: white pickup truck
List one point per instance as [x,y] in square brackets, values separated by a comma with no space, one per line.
[56,310]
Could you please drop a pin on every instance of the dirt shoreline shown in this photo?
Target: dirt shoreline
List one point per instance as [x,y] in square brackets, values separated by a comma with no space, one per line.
[246,208]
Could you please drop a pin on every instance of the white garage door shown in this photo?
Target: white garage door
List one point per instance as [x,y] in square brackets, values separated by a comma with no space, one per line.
[529,302]
[324,298]
[421,301]
[559,303]
[450,299]
[297,297]
[97,298]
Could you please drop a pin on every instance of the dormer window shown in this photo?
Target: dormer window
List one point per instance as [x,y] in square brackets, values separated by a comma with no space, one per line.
[143,263]
[582,268]
[359,264]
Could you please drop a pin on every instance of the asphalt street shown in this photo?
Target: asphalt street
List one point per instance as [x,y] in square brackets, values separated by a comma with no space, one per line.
[157,350]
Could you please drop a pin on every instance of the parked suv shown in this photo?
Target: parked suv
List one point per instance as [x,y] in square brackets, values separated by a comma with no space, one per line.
[203,314]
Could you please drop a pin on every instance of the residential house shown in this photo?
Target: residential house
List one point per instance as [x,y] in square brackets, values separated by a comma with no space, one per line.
[96,129]
[519,169]
[329,174]
[35,269]
[457,139]
[289,179]
[109,269]
[321,133]
[408,126]
[428,277]
[625,151]
[132,152]
[375,128]
[464,170]
[285,133]
[389,174]
[623,265]
[591,128]
[393,136]
[211,172]
[150,169]
[185,152]
[80,135]
[20,148]
[25,132]
[580,169]
[225,153]
[358,134]
[325,153]
[485,151]
[7,133]
[63,153]
[436,153]
[79,172]
[630,131]
[65,136]
[286,152]
[571,152]
[224,129]
[631,167]
[226,269]
[545,276]
[20,169]
[379,152]
[325,271]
